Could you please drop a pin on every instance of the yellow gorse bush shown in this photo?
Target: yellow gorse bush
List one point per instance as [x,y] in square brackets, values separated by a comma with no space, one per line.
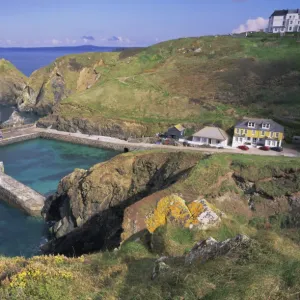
[39,268]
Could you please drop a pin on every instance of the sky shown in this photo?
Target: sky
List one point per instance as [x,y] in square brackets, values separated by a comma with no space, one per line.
[39,23]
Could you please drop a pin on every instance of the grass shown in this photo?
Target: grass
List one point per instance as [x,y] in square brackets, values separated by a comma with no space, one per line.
[169,83]
[268,269]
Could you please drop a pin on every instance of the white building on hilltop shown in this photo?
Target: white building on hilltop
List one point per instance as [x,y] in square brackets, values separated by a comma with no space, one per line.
[286,20]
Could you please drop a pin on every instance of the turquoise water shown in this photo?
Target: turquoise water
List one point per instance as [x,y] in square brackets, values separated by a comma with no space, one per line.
[39,164]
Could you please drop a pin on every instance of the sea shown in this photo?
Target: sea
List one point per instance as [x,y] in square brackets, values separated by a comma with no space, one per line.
[27,60]
[40,164]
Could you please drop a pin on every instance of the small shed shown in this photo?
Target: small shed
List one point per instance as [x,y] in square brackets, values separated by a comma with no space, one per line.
[176,132]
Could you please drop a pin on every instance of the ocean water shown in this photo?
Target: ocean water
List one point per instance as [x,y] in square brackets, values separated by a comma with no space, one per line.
[39,164]
[28,60]
[5,113]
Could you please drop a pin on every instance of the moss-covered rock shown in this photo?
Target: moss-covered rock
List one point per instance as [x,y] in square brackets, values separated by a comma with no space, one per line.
[175,211]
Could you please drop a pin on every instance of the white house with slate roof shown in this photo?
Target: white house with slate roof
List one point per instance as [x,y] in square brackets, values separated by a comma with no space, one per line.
[212,136]
[257,132]
[285,20]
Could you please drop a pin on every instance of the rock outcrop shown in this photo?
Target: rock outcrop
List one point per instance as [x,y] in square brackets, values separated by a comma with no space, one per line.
[66,76]
[202,252]
[12,82]
[174,210]
[98,126]
[210,248]
[88,207]
[18,118]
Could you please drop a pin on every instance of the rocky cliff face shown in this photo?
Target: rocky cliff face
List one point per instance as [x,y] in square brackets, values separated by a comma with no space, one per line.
[135,194]
[88,207]
[67,75]
[12,82]
[98,126]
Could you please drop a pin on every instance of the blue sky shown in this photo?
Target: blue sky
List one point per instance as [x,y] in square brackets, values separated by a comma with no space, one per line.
[126,22]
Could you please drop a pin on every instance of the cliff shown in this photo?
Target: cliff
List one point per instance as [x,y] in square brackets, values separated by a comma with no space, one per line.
[164,204]
[89,205]
[64,77]
[116,201]
[12,83]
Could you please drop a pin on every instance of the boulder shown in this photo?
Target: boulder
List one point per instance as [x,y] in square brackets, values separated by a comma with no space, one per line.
[1,167]
[210,248]
[174,210]
[159,267]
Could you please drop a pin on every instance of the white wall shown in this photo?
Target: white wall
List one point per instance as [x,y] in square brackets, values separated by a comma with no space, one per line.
[291,23]
[261,142]
[205,141]
[278,21]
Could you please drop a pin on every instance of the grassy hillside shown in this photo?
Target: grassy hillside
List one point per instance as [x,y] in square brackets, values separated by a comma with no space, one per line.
[12,81]
[268,269]
[197,81]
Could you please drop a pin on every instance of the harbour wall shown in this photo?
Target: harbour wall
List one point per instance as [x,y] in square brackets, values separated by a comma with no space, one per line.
[20,196]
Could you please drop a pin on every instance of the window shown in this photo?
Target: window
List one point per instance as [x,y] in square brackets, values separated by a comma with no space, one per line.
[291,22]
[275,134]
[263,133]
[251,124]
[236,139]
[248,138]
[265,126]
[275,29]
[253,132]
[290,28]
[241,140]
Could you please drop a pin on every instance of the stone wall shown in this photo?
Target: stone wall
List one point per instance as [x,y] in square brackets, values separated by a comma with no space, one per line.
[21,138]
[20,196]
[89,142]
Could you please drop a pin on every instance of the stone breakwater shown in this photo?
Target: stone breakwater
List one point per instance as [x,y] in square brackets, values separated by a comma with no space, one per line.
[20,196]
[20,138]
[91,142]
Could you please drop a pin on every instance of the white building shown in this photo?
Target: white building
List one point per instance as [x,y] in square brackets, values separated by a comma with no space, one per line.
[212,136]
[286,20]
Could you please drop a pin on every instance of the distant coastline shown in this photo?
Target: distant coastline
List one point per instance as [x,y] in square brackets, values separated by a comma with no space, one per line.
[28,60]
[82,47]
